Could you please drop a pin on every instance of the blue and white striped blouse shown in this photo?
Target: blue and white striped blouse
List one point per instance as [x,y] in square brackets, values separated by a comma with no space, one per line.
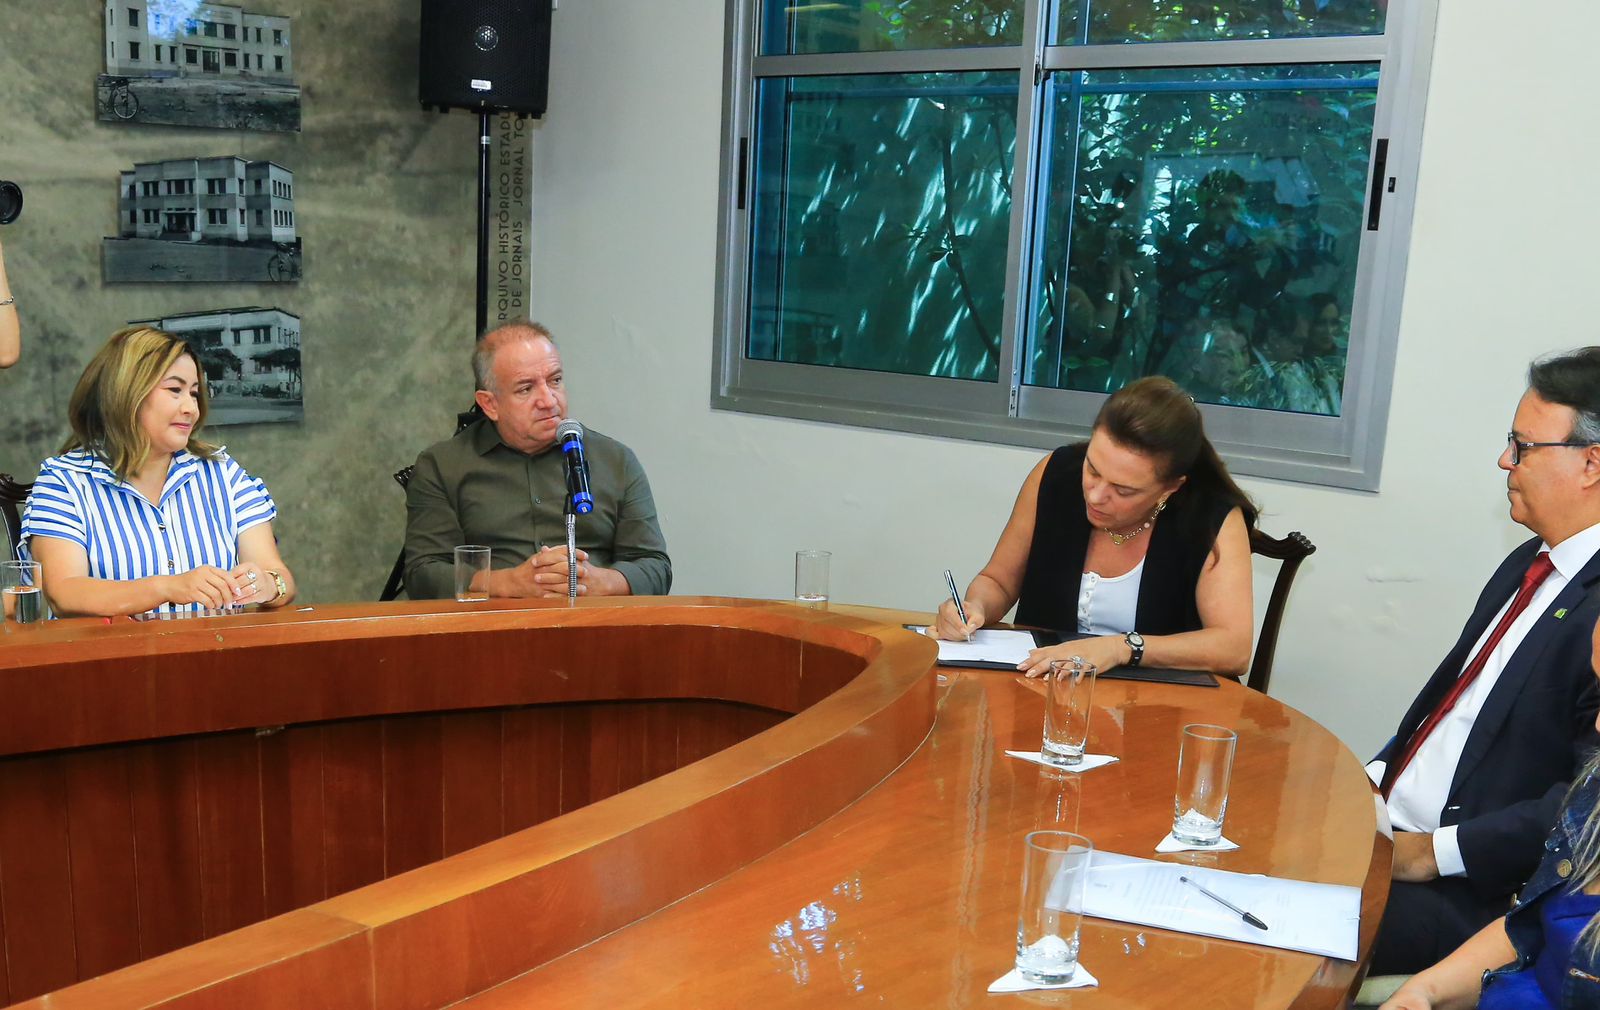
[204,506]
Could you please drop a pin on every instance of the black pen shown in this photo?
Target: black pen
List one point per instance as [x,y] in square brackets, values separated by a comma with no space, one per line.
[955,597]
[1219,899]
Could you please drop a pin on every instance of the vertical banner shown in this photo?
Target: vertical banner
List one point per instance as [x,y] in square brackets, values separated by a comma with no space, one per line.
[510,218]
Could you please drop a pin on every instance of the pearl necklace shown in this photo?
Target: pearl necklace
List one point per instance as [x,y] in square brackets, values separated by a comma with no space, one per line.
[1121,538]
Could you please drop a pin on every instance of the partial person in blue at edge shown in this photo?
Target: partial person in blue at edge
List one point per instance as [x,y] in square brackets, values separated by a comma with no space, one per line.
[1545,953]
[138,514]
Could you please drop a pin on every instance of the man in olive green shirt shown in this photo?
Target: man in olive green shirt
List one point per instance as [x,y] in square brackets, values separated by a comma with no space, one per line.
[501,482]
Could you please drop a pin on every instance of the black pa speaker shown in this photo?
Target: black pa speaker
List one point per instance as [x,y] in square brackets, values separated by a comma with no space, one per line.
[485,55]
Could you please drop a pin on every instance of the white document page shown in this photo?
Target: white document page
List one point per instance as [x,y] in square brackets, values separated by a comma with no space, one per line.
[1300,915]
[987,646]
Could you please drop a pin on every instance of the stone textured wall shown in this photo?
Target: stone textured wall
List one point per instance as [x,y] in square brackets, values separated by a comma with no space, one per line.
[385,201]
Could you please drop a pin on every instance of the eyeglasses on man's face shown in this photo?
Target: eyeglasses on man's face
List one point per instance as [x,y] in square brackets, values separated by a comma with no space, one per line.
[1518,447]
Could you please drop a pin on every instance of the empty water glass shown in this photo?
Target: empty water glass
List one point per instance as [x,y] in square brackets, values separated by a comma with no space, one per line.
[1068,699]
[1054,869]
[472,573]
[811,576]
[1205,766]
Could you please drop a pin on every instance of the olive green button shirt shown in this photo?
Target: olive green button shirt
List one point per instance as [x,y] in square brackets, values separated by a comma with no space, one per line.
[475,489]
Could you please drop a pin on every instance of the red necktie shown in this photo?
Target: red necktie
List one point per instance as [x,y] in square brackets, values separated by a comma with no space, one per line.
[1535,575]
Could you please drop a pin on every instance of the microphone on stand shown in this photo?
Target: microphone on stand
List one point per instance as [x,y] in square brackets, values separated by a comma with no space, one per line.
[569,435]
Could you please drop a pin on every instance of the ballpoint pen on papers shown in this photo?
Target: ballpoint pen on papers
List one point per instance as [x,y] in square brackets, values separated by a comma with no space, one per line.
[1219,899]
[955,597]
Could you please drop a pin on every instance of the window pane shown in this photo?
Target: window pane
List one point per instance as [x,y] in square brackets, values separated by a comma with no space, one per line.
[1111,21]
[882,205]
[861,26]
[1203,224]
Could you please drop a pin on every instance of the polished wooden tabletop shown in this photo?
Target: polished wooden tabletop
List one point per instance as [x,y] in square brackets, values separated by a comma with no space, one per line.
[909,898]
[866,846]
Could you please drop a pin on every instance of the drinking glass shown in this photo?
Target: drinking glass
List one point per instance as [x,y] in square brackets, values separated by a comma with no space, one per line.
[1068,697]
[811,576]
[1205,764]
[20,582]
[471,560]
[1054,869]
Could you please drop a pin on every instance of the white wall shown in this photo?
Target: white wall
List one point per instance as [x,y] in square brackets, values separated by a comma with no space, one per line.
[1501,269]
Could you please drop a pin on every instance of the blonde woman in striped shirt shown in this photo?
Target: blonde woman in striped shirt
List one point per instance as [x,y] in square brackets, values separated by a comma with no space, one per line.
[137,513]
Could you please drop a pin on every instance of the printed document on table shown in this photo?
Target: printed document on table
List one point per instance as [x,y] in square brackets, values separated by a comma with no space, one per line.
[1300,915]
[987,646]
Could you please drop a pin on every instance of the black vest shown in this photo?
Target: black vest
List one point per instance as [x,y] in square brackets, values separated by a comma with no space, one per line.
[1180,542]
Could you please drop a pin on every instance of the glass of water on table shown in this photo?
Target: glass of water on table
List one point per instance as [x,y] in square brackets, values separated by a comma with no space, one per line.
[20,582]
[1054,870]
[811,576]
[1068,700]
[1205,767]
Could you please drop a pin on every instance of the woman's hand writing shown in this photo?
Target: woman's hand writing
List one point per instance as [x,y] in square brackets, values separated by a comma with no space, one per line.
[949,626]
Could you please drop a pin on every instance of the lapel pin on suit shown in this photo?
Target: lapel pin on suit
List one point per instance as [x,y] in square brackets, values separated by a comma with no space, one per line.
[1561,613]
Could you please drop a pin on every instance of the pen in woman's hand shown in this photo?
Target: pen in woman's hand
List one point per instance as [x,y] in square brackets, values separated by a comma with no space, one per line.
[955,597]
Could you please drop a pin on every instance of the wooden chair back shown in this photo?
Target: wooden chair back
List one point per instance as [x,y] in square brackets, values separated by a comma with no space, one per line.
[12,495]
[1291,550]
[397,574]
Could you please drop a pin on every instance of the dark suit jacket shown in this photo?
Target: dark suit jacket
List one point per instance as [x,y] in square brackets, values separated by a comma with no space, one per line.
[1534,731]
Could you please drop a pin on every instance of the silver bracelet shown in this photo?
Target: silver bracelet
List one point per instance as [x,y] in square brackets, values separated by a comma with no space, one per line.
[8,301]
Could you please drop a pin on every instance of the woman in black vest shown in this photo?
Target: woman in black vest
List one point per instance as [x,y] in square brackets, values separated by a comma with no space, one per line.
[1138,538]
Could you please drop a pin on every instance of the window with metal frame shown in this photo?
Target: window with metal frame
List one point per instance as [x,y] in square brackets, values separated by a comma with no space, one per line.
[975,218]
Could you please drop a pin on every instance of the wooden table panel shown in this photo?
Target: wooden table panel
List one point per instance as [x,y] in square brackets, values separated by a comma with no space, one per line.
[413,793]
[661,753]
[909,899]
[164,783]
[303,960]
[849,852]
[352,803]
[36,877]
[105,898]
[473,765]
[5,972]
[233,877]
[292,826]
[632,722]
[532,771]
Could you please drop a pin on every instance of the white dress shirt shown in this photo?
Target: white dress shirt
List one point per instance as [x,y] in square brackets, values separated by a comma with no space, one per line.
[1417,800]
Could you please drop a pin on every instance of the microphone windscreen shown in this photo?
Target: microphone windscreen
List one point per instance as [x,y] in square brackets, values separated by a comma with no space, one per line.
[569,429]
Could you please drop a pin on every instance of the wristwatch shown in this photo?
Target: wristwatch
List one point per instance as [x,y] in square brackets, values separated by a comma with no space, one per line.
[1136,643]
[283,587]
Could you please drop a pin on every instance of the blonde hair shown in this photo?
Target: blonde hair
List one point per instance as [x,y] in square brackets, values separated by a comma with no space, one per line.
[104,409]
[1586,854]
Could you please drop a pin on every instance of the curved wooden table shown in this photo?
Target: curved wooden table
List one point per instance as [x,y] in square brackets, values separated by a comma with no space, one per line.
[862,841]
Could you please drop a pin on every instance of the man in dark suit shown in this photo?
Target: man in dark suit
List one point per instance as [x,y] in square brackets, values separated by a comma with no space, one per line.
[1478,768]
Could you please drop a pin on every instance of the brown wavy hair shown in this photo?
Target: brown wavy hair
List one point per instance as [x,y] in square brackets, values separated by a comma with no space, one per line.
[104,409]
[1154,416]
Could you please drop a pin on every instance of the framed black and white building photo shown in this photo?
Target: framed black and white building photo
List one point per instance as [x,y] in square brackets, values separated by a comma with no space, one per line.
[218,65]
[221,219]
[251,359]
